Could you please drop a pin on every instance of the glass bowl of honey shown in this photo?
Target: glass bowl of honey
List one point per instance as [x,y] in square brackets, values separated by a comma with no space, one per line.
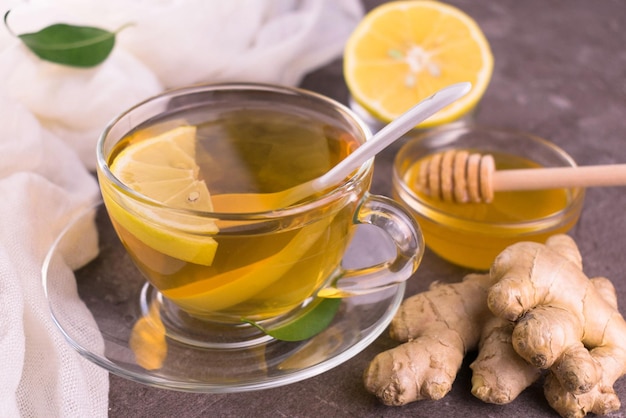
[473,234]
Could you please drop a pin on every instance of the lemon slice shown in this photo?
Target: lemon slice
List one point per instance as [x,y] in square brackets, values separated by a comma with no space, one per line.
[404,51]
[163,168]
[233,287]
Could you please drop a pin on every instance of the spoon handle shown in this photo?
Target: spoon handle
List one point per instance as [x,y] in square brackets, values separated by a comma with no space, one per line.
[392,132]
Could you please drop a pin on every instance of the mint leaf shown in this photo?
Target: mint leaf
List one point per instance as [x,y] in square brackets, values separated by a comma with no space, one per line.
[310,322]
[76,46]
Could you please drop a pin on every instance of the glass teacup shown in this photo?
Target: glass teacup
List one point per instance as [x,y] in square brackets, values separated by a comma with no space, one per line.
[221,262]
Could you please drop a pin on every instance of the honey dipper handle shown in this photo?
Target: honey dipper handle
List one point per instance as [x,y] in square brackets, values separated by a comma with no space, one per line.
[559,177]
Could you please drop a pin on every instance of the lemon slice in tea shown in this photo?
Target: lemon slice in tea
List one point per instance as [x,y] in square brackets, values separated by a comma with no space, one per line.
[163,168]
[233,287]
[404,51]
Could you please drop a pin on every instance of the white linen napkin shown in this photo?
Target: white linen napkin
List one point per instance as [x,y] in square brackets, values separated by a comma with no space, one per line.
[75,104]
[169,43]
[193,41]
[51,118]
[43,184]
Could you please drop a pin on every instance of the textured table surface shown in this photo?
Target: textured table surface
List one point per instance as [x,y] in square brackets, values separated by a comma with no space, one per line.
[560,73]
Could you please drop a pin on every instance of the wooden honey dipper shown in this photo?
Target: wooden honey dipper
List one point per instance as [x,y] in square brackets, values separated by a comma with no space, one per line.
[457,175]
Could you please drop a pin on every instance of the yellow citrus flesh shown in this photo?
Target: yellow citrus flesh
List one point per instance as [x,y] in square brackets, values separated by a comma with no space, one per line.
[235,286]
[404,51]
[163,168]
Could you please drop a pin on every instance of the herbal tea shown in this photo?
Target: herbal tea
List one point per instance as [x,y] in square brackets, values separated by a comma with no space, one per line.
[228,270]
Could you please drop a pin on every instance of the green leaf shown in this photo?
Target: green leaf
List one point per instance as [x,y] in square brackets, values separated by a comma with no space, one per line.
[76,46]
[310,322]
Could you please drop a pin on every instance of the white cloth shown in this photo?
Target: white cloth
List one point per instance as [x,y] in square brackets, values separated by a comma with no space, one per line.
[194,41]
[168,44]
[51,118]
[75,104]
[43,184]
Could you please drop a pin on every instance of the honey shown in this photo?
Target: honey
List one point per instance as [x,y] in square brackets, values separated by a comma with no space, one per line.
[473,234]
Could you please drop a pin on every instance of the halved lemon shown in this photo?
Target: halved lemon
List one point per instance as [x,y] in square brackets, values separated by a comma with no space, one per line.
[404,51]
[164,168]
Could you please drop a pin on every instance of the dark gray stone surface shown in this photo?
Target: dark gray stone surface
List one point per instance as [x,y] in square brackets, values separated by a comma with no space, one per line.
[560,73]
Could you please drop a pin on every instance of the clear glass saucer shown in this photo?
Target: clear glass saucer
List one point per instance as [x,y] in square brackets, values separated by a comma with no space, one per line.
[112,288]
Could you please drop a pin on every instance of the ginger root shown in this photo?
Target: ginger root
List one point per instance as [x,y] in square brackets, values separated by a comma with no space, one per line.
[563,322]
[499,374]
[438,327]
[535,310]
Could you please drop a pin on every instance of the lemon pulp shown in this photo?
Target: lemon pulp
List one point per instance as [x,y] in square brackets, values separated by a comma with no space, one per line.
[404,51]
[163,168]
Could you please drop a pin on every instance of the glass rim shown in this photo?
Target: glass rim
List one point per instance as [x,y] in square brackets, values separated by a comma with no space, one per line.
[332,195]
[427,210]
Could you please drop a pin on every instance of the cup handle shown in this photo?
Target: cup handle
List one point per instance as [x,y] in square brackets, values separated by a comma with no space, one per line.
[391,217]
